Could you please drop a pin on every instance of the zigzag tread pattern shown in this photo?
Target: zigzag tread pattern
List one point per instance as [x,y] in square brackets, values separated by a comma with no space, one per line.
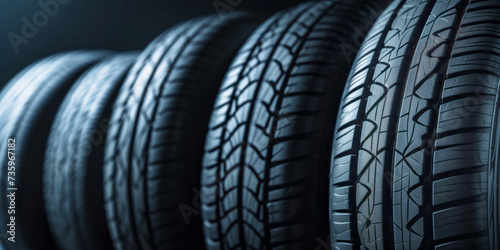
[412,187]
[363,144]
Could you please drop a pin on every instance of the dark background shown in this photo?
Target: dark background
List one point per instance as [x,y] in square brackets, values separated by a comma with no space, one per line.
[103,24]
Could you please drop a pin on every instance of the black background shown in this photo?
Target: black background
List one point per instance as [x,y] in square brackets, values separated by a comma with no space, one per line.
[103,24]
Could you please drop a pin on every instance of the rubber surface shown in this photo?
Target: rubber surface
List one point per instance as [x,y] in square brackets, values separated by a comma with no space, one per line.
[73,159]
[27,106]
[413,163]
[156,133]
[267,154]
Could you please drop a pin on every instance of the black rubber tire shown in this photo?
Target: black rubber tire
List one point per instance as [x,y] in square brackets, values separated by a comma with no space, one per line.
[74,156]
[157,131]
[28,105]
[268,149]
[414,165]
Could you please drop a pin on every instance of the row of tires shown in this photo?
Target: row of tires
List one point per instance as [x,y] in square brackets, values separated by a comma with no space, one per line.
[347,124]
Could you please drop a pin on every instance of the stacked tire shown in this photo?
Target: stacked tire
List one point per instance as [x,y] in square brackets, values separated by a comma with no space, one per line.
[267,154]
[414,159]
[343,124]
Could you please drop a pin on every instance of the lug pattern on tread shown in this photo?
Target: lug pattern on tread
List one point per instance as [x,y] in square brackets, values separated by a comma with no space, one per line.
[464,132]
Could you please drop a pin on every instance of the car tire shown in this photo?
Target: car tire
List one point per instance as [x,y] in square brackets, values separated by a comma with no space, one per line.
[156,133]
[415,154]
[28,105]
[267,154]
[74,156]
